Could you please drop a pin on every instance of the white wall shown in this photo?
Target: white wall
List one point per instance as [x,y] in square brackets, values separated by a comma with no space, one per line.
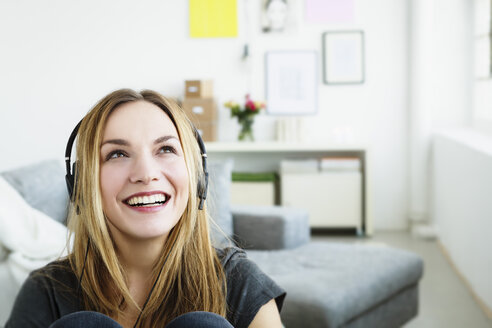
[59,57]
[462,185]
[453,91]
[441,85]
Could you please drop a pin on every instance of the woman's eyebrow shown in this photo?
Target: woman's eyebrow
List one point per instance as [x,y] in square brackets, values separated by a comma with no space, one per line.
[120,142]
[164,138]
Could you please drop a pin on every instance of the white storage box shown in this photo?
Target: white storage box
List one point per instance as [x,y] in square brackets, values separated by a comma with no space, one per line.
[249,188]
[252,193]
[333,199]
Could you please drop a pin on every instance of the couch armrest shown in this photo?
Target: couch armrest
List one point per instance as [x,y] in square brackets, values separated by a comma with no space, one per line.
[270,227]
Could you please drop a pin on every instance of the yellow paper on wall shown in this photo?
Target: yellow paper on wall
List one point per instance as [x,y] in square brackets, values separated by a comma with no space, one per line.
[213,18]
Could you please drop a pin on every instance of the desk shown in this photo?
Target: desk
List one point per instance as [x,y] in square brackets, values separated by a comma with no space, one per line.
[266,157]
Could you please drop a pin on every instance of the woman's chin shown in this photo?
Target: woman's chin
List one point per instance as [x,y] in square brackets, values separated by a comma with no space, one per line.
[150,229]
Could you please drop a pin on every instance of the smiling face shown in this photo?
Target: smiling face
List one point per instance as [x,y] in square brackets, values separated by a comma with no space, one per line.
[143,175]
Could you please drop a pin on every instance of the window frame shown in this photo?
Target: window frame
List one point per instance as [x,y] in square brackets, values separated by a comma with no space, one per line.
[482,85]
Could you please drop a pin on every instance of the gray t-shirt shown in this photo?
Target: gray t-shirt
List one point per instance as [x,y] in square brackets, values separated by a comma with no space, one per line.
[50,292]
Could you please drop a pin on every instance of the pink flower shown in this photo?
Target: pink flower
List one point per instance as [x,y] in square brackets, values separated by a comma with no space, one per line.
[250,103]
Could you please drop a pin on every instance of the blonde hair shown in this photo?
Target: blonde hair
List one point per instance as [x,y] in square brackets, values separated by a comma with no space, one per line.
[193,278]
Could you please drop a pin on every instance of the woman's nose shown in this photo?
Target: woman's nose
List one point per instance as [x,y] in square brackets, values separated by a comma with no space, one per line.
[145,170]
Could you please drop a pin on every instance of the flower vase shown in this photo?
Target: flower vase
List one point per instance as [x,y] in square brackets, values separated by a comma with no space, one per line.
[246,132]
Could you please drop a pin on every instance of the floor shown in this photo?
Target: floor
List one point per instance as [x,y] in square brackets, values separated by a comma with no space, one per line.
[444,299]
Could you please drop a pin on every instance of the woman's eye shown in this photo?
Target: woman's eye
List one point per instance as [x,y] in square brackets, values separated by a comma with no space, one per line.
[115,154]
[167,149]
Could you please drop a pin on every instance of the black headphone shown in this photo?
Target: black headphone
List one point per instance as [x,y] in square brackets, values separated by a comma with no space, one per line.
[71,176]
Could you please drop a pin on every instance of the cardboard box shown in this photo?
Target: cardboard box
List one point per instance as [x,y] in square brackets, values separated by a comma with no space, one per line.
[207,130]
[199,89]
[200,109]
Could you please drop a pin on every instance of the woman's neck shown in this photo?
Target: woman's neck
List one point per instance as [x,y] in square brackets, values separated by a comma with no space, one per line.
[139,256]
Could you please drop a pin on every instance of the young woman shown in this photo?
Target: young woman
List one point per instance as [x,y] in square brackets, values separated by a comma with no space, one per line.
[141,254]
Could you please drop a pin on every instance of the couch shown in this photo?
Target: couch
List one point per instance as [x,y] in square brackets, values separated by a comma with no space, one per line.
[328,284]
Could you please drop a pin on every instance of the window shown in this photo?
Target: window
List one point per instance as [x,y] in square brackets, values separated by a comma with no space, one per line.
[482,42]
[482,33]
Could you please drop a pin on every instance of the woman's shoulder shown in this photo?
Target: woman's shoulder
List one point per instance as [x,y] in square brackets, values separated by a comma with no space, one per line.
[57,267]
[248,287]
[230,255]
[238,267]
[45,295]
[54,274]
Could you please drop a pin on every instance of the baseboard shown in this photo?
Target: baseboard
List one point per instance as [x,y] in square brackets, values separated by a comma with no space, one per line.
[480,302]
[334,231]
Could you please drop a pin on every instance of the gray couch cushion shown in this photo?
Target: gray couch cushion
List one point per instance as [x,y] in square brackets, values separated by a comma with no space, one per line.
[218,201]
[270,227]
[331,284]
[43,187]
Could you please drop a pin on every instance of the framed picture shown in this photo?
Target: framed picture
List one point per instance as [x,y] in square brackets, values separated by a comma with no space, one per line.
[343,57]
[291,82]
[279,16]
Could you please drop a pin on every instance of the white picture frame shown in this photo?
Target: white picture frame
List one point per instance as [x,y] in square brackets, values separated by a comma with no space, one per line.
[343,57]
[291,80]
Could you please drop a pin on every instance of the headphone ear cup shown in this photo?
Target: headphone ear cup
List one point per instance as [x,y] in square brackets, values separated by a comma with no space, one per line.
[203,186]
[69,182]
[202,182]
[199,189]
[70,179]
[202,189]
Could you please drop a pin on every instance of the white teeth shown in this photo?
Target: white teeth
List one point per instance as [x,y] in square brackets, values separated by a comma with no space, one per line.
[147,200]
